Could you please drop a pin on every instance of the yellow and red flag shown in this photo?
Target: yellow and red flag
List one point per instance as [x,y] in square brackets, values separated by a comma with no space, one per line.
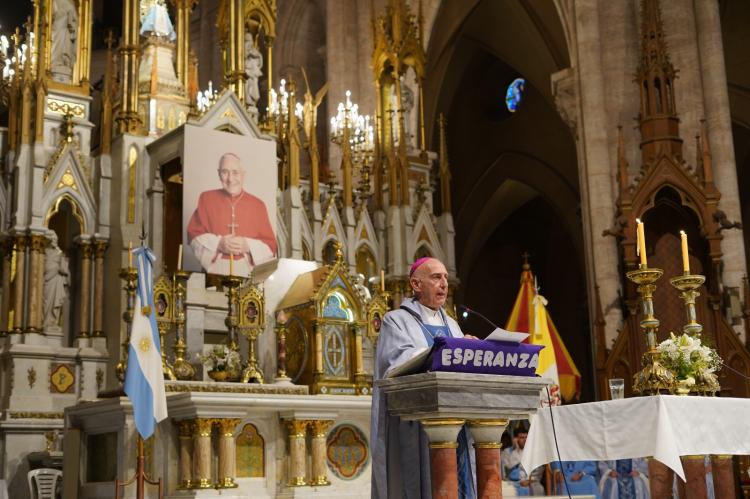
[530,315]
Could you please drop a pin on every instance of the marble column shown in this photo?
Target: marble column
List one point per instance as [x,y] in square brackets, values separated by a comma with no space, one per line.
[202,454]
[87,251]
[319,429]
[19,301]
[695,474]
[297,451]
[227,454]
[719,125]
[442,434]
[100,247]
[722,468]
[660,479]
[186,454]
[7,246]
[487,444]
[36,283]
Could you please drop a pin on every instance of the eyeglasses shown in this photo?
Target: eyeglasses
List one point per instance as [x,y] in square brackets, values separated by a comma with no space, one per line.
[230,173]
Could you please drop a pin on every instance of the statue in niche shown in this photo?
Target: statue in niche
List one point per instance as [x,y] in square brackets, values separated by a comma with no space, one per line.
[407,98]
[359,284]
[56,281]
[64,26]
[253,70]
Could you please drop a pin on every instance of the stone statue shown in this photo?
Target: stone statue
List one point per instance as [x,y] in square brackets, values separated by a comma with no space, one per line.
[253,70]
[359,284]
[407,101]
[64,26]
[56,280]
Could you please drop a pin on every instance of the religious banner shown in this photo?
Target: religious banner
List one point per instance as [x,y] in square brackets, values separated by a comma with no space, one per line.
[464,355]
[228,203]
[485,357]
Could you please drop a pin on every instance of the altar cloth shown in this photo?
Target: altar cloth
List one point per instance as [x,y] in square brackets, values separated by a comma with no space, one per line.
[664,427]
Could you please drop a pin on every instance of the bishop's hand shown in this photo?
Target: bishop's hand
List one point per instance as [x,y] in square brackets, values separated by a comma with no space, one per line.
[233,245]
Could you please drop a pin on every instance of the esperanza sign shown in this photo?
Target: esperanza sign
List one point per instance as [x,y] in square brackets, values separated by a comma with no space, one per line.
[484,357]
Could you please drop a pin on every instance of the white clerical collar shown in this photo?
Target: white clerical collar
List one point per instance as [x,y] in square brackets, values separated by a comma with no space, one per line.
[432,317]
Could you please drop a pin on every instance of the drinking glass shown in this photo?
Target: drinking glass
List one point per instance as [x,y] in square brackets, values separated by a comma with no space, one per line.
[617,388]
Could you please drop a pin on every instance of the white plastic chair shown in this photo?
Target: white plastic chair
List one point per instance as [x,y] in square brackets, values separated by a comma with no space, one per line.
[43,482]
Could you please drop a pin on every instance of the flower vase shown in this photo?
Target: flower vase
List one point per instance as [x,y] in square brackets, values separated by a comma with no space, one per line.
[218,375]
[683,386]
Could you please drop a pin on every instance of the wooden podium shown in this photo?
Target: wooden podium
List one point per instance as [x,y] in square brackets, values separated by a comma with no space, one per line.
[444,402]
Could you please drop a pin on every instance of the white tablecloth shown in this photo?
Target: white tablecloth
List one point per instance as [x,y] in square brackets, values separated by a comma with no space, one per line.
[663,426]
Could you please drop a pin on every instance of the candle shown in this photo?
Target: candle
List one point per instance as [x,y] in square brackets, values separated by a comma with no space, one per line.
[685,254]
[231,263]
[382,281]
[179,258]
[641,242]
[130,254]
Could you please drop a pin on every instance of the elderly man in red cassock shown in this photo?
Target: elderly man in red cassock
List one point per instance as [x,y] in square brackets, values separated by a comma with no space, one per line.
[231,223]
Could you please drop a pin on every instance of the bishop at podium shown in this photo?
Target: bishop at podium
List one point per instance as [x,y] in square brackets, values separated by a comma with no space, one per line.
[401,460]
[230,223]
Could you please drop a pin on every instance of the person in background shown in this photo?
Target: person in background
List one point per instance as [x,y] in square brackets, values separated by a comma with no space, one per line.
[624,479]
[581,477]
[525,485]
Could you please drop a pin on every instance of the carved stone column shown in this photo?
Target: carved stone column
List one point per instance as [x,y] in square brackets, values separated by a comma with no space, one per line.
[725,484]
[87,252]
[695,474]
[7,249]
[319,429]
[359,363]
[186,454]
[202,454]
[100,247]
[297,451]
[18,302]
[227,455]
[660,479]
[442,434]
[487,436]
[36,283]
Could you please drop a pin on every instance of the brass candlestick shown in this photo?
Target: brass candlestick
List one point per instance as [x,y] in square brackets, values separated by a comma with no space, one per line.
[231,283]
[281,367]
[183,369]
[688,285]
[654,377]
[252,371]
[129,275]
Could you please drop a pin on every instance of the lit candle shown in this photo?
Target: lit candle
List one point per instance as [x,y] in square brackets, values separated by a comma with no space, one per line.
[179,258]
[685,254]
[231,263]
[130,254]
[641,243]
[382,281]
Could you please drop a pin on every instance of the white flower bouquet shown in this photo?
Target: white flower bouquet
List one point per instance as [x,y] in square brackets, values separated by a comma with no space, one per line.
[222,358]
[688,359]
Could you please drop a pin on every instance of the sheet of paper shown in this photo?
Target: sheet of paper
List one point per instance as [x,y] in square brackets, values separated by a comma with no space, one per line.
[503,335]
[411,366]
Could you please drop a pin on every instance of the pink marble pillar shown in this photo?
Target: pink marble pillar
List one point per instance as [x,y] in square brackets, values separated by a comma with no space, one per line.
[660,479]
[695,474]
[442,434]
[487,443]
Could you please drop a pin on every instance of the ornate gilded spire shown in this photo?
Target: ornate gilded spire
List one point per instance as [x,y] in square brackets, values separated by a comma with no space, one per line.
[660,133]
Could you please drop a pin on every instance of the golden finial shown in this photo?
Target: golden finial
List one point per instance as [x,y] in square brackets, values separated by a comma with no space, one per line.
[525,255]
[339,252]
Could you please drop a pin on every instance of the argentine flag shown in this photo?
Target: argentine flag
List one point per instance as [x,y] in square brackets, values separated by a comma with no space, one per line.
[144,380]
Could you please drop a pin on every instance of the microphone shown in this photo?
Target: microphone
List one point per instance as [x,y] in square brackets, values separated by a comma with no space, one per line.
[467,311]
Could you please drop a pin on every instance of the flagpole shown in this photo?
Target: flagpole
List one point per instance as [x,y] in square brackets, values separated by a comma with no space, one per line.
[139,477]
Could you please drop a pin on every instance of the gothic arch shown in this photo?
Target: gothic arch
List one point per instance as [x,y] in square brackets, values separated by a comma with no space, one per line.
[67,178]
